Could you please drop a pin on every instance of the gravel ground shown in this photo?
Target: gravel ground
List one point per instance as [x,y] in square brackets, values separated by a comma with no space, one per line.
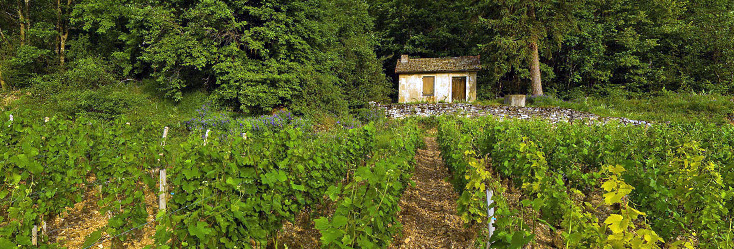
[552,114]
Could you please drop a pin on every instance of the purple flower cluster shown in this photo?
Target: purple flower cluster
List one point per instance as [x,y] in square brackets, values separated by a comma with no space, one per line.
[372,114]
[349,124]
[276,122]
[206,120]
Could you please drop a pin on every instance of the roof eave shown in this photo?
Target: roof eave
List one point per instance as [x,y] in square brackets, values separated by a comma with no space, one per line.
[437,71]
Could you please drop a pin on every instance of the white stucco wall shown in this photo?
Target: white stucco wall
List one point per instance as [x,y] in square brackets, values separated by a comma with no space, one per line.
[411,87]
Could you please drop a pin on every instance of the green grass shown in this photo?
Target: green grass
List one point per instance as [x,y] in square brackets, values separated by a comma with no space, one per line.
[136,102]
[673,107]
[140,102]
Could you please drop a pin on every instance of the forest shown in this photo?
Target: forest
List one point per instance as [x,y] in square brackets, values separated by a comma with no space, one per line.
[337,55]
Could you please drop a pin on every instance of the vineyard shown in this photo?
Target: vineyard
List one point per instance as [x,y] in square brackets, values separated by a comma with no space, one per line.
[223,188]
[594,186]
[555,185]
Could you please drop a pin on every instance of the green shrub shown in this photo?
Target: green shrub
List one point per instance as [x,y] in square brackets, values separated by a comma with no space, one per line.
[24,66]
[104,104]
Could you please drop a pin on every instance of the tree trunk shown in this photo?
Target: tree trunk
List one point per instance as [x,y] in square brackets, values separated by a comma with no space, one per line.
[2,82]
[535,69]
[5,39]
[534,57]
[63,31]
[62,27]
[58,26]
[21,21]
[62,48]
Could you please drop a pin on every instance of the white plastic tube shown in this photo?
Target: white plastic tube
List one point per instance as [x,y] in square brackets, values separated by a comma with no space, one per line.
[490,215]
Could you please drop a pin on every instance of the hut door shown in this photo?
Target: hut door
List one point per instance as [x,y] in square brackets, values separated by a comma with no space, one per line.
[458,89]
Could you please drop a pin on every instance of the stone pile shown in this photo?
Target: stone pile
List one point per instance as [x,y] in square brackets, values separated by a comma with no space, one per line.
[552,114]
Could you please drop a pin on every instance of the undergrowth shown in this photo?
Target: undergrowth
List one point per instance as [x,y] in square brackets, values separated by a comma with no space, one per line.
[661,107]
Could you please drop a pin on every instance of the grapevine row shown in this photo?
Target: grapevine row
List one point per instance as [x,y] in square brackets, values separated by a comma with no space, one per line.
[678,176]
[223,190]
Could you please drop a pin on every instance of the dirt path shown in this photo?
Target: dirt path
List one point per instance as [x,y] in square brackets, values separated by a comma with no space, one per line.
[428,210]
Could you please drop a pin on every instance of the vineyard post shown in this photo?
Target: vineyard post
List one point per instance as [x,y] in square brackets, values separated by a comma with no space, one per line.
[490,215]
[206,136]
[165,134]
[162,180]
[34,234]
[162,197]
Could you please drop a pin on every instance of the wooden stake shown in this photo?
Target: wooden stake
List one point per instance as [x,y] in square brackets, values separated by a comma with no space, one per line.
[34,233]
[206,136]
[162,196]
[165,134]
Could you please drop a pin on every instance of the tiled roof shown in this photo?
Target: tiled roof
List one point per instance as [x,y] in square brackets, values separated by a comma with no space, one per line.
[445,64]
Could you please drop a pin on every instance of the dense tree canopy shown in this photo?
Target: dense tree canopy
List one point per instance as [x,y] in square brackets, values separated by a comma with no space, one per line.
[586,46]
[336,54]
[256,55]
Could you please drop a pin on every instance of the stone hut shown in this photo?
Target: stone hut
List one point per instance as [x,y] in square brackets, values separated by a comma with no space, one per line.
[449,79]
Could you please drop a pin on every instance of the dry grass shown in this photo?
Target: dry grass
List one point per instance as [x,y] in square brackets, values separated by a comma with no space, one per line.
[428,210]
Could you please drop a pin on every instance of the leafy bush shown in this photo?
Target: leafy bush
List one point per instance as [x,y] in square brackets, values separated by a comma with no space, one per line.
[28,62]
[103,104]
[89,72]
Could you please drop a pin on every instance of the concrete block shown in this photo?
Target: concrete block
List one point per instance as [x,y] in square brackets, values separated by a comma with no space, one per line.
[515,100]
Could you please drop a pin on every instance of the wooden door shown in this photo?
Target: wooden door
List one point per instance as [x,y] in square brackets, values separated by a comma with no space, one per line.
[458,89]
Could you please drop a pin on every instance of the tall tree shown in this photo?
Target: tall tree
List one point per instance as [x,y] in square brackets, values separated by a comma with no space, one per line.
[423,29]
[524,28]
[63,11]
[24,20]
[253,55]
[2,82]
[613,46]
[3,40]
[707,46]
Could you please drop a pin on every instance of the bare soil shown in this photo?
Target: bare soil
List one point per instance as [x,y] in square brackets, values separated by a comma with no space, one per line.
[8,98]
[428,209]
[301,233]
[71,228]
[545,236]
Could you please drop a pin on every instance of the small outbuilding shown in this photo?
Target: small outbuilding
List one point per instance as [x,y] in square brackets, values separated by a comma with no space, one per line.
[449,79]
